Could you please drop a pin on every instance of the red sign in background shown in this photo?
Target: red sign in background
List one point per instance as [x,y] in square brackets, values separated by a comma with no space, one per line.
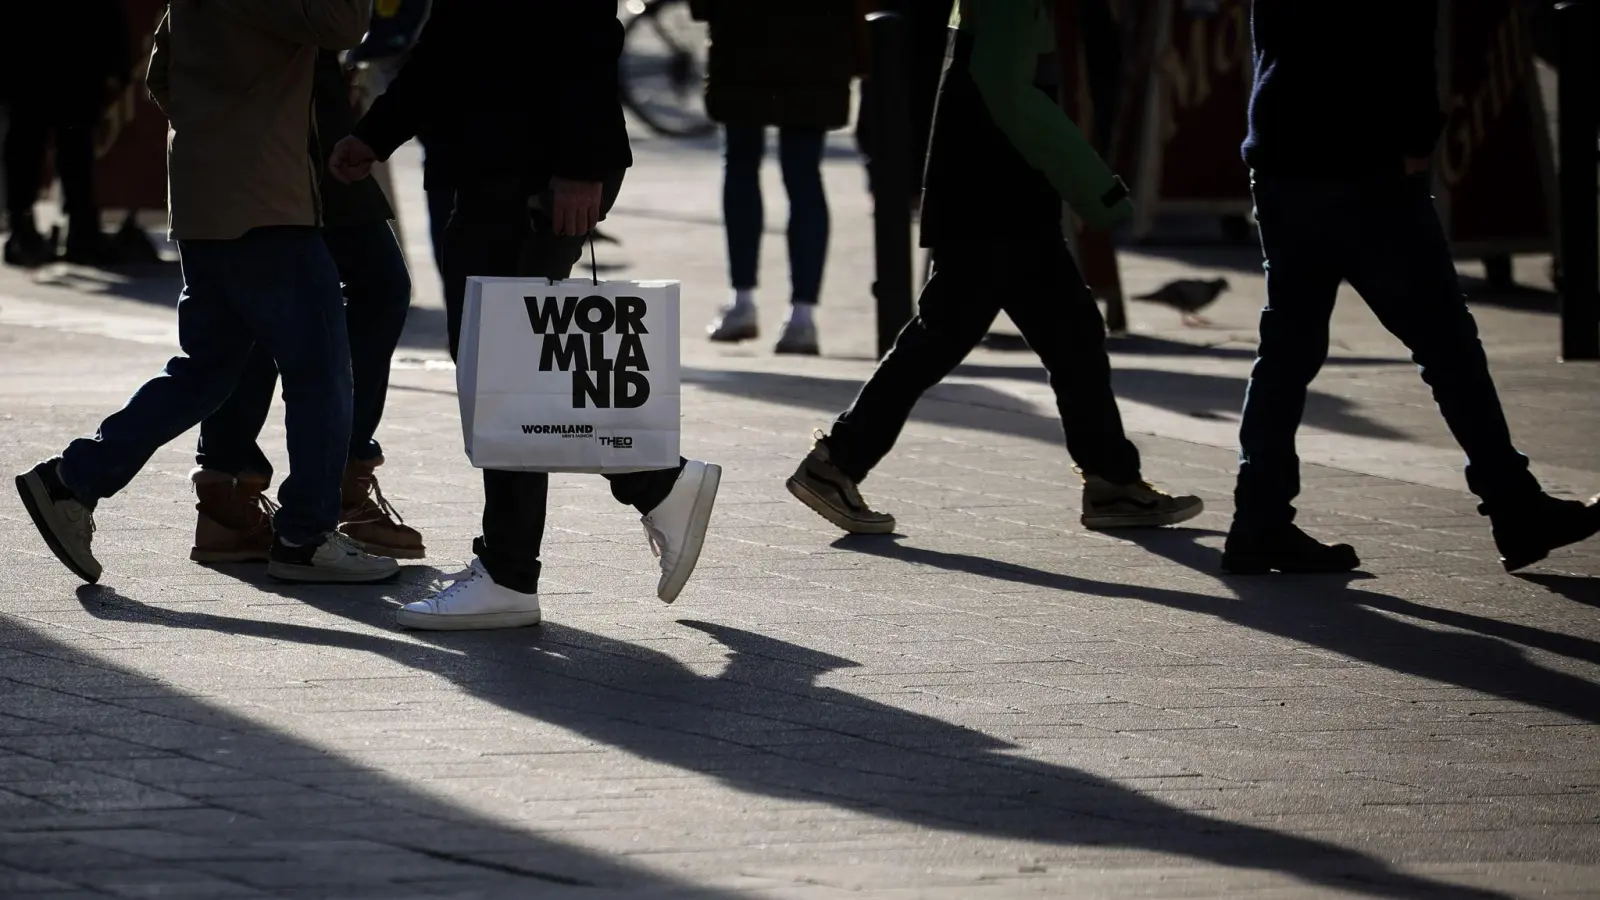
[1493,162]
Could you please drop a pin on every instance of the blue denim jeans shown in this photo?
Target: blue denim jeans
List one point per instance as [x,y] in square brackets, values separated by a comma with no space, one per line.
[274,286]
[377,293]
[1382,235]
[800,157]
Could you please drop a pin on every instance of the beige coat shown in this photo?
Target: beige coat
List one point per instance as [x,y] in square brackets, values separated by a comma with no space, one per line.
[234,78]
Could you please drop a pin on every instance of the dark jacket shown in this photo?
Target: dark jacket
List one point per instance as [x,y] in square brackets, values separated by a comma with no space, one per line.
[786,63]
[1344,88]
[500,90]
[362,203]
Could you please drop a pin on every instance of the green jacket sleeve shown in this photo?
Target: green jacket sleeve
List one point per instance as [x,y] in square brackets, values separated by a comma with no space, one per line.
[1004,60]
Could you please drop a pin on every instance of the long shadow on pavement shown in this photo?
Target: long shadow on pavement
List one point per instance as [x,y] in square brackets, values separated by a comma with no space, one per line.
[764,726]
[1326,612]
[1200,395]
[144,790]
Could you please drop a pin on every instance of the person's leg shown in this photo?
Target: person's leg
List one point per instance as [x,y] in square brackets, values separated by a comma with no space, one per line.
[485,236]
[1304,223]
[1301,234]
[1401,266]
[74,157]
[233,517]
[954,312]
[288,292]
[377,292]
[229,436]
[744,219]
[216,342]
[1059,319]
[27,134]
[800,155]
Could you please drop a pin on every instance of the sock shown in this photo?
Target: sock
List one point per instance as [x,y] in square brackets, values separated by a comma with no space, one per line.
[744,298]
[801,314]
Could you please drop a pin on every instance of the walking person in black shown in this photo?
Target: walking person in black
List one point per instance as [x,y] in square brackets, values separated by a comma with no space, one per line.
[534,152]
[1002,157]
[1343,121]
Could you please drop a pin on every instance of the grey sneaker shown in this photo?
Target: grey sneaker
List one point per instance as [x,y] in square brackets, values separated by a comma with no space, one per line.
[831,494]
[735,323]
[1134,505]
[66,525]
[798,339]
[335,559]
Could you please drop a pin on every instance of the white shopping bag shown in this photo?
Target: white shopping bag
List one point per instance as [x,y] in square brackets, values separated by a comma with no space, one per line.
[569,376]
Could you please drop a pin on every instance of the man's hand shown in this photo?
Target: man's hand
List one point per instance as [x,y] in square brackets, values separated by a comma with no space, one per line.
[577,206]
[351,160]
[1417,164]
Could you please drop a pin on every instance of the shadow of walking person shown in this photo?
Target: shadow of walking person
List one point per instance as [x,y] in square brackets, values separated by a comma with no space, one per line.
[764,725]
[1326,612]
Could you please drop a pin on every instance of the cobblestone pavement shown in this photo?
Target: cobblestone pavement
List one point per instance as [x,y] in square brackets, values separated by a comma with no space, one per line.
[993,704]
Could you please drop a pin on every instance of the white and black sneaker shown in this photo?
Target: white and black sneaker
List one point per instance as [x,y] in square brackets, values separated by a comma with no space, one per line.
[333,559]
[833,495]
[677,527]
[65,523]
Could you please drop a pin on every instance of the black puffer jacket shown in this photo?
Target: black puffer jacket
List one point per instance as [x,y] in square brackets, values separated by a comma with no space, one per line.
[786,63]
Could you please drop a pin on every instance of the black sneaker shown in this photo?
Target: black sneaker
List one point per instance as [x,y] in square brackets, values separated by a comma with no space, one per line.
[65,523]
[831,494]
[1284,549]
[1527,533]
[1136,504]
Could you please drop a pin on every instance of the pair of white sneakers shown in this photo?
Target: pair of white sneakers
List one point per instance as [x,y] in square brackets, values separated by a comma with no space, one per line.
[676,529]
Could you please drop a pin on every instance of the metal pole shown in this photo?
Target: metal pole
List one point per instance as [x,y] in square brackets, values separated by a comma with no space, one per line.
[892,184]
[1580,210]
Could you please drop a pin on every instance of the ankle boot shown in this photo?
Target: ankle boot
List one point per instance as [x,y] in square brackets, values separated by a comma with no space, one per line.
[235,523]
[1526,532]
[370,520]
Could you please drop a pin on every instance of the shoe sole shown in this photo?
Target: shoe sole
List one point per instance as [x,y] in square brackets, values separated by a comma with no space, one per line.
[313,575]
[823,508]
[738,337]
[797,350]
[1144,520]
[695,538]
[1234,566]
[472,622]
[394,552]
[229,556]
[36,498]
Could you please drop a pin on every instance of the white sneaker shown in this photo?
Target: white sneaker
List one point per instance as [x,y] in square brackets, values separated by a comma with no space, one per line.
[736,322]
[474,601]
[799,338]
[335,560]
[677,528]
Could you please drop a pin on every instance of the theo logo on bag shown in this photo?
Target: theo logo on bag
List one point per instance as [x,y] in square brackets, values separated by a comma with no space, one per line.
[606,383]
[617,443]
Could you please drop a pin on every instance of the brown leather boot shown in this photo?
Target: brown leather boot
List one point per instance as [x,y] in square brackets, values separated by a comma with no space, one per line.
[370,520]
[235,517]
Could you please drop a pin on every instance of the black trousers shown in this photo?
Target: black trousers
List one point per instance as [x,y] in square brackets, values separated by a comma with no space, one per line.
[493,232]
[32,120]
[1033,277]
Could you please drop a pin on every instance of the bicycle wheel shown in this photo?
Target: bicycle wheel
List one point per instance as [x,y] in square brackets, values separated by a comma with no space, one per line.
[663,68]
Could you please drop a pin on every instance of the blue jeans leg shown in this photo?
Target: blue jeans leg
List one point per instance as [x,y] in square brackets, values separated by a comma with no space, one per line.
[377,293]
[800,156]
[215,340]
[1401,266]
[1300,227]
[742,212]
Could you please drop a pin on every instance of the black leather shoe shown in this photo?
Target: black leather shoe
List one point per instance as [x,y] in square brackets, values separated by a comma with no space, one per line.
[1284,549]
